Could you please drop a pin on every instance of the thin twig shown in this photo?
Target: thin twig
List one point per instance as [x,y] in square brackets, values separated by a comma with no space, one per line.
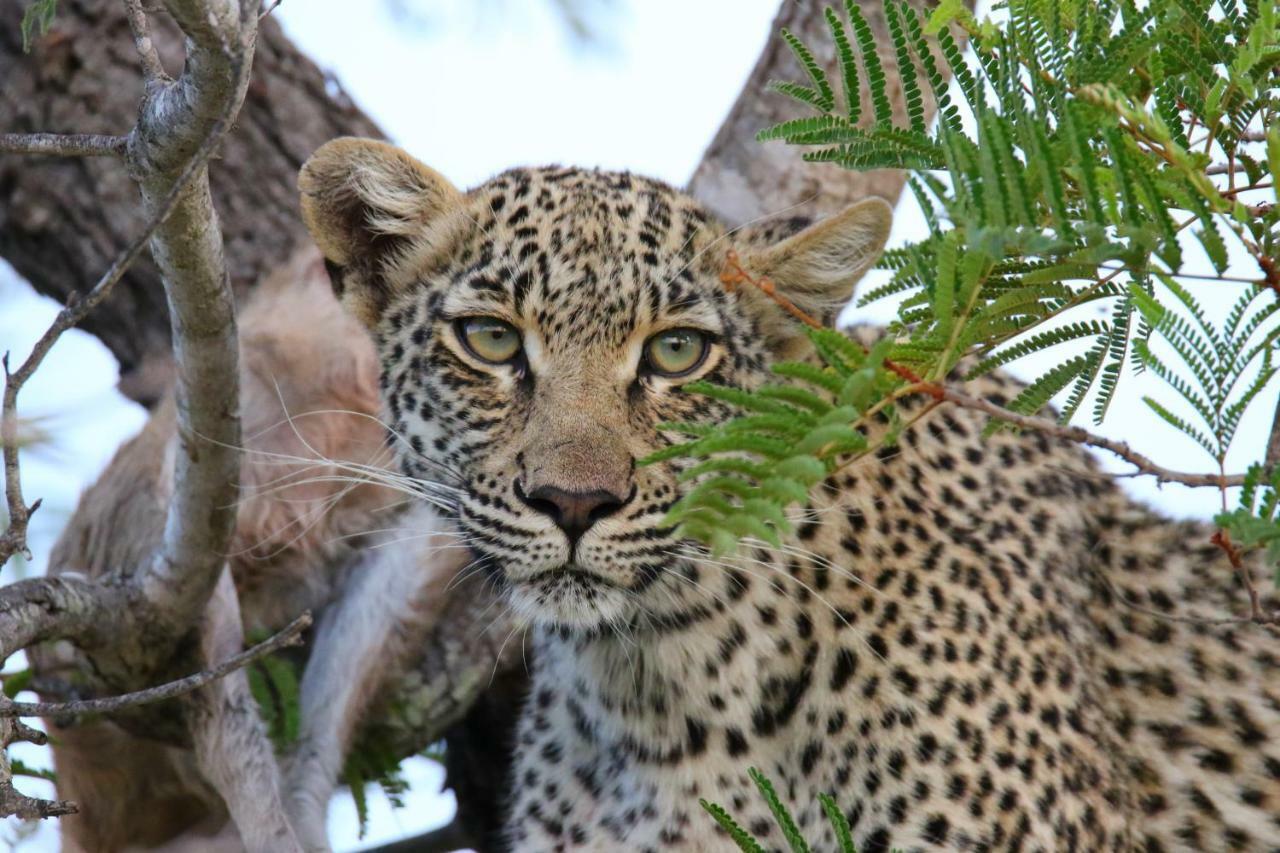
[288,636]
[1222,539]
[64,144]
[734,274]
[1143,463]
[271,8]
[148,56]
[13,801]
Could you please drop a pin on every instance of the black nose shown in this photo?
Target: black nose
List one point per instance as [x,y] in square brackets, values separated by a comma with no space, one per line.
[573,512]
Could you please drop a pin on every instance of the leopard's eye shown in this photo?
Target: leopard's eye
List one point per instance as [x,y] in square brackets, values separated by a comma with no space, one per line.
[489,339]
[676,352]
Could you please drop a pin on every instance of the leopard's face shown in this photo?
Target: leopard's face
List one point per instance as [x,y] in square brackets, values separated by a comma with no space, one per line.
[535,334]
[539,364]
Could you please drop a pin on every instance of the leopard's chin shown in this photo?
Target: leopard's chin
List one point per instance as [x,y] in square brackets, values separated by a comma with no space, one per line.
[570,598]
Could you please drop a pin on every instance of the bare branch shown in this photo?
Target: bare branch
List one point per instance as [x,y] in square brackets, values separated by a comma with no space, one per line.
[63,144]
[37,610]
[13,802]
[179,125]
[288,636]
[1079,435]
[174,120]
[33,611]
[148,56]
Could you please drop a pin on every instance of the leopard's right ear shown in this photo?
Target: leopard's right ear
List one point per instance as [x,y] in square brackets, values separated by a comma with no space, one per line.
[378,215]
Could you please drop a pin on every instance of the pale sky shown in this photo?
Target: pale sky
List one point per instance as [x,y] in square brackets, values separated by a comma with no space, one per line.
[478,88]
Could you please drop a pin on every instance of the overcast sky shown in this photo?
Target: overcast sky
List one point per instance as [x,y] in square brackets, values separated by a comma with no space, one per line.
[474,88]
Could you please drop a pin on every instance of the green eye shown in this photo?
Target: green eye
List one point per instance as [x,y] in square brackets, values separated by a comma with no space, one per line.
[677,351]
[489,339]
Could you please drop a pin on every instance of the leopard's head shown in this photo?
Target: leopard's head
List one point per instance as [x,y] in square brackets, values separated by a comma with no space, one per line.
[533,334]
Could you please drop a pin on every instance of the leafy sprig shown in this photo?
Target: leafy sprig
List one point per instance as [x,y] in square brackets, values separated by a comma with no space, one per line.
[1088,136]
[784,820]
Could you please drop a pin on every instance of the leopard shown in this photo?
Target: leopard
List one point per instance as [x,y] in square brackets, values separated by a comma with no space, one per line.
[968,641]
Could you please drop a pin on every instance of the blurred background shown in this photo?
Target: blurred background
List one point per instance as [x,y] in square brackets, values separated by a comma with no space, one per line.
[472,87]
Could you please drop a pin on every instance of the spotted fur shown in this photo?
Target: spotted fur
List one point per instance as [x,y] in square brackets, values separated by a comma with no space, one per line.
[970,643]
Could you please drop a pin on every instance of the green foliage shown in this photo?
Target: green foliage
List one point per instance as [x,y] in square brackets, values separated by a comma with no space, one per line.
[374,761]
[15,683]
[789,438]
[1214,381]
[21,768]
[274,682]
[36,19]
[782,817]
[1253,523]
[1067,160]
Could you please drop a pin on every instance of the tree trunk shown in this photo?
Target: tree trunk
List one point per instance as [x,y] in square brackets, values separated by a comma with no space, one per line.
[740,179]
[62,221]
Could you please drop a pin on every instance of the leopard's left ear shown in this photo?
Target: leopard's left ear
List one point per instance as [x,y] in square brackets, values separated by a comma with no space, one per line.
[373,209]
[817,268]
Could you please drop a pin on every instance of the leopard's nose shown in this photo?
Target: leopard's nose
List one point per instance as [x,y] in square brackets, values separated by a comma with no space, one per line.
[573,512]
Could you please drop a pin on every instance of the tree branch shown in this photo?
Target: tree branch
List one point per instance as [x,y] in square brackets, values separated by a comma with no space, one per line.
[38,610]
[1079,435]
[741,180]
[178,123]
[451,836]
[63,144]
[1272,457]
[148,56]
[14,539]
[287,636]
[13,802]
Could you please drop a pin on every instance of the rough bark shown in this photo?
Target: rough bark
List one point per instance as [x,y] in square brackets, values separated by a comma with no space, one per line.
[740,179]
[63,220]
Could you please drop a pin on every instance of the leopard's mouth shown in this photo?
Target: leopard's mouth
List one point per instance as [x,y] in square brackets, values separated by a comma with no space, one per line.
[567,576]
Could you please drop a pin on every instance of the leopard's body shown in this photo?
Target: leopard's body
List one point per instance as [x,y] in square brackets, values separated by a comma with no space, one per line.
[971,643]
